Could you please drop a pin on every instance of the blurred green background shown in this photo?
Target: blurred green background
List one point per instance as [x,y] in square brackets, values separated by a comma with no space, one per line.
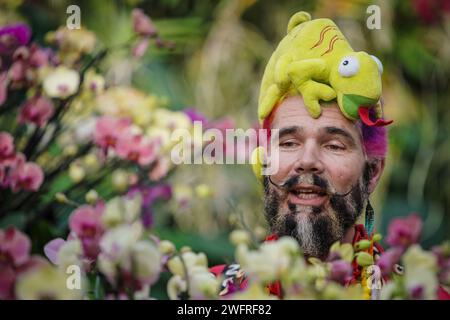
[221,50]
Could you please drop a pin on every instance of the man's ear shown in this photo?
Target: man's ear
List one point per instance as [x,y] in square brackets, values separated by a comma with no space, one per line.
[376,170]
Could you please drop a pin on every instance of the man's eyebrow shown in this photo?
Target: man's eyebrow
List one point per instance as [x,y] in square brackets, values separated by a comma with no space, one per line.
[341,132]
[289,130]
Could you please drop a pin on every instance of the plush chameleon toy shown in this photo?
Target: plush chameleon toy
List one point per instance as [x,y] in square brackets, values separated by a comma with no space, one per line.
[316,60]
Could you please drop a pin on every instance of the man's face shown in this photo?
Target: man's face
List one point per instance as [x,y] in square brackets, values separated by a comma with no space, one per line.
[321,184]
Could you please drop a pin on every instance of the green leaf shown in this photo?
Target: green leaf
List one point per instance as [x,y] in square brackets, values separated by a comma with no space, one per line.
[415,58]
[16,219]
[98,289]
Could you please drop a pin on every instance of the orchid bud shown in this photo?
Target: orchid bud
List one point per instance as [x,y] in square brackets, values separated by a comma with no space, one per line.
[239,237]
[166,247]
[185,249]
[76,172]
[119,180]
[90,161]
[91,197]
[70,150]
[203,191]
[61,197]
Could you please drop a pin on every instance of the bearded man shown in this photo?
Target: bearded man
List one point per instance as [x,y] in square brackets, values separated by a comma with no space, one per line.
[328,167]
[331,154]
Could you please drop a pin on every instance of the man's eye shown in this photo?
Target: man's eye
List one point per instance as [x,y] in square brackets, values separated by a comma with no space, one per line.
[288,144]
[334,147]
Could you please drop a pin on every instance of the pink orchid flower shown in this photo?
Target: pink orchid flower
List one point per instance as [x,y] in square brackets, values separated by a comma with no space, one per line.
[140,48]
[14,161]
[2,175]
[108,129]
[39,57]
[14,247]
[142,24]
[6,146]
[28,176]
[86,223]
[12,36]
[25,63]
[404,231]
[15,260]
[36,110]
[341,271]
[7,280]
[8,166]
[52,248]
[18,71]
[3,87]
[136,148]
[388,260]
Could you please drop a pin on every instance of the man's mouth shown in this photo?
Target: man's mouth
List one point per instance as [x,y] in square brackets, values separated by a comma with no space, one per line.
[352,102]
[307,195]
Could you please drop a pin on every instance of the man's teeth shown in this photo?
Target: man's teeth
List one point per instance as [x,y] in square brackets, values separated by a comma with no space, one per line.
[307,194]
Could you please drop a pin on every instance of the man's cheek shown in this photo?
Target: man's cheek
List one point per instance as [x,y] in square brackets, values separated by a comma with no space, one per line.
[344,175]
[280,172]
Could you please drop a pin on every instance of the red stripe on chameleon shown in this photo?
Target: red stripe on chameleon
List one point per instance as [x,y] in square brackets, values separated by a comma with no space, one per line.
[322,35]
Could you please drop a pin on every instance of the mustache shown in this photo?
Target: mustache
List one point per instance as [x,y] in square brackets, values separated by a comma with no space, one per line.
[312,179]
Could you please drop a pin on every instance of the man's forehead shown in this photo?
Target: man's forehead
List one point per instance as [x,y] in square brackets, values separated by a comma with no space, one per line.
[292,113]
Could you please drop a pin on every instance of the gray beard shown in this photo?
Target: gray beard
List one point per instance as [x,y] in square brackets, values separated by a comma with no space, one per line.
[315,228]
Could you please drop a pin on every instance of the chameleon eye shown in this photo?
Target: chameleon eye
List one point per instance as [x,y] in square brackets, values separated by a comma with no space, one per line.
[379,64]
[348,67]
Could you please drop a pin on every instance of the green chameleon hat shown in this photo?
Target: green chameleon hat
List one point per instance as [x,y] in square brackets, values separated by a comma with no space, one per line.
[315,60]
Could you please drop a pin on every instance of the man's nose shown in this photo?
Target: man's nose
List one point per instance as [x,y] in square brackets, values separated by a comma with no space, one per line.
[309,160]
